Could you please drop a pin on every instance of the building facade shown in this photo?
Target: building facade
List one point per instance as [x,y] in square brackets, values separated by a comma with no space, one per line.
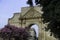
[28,16]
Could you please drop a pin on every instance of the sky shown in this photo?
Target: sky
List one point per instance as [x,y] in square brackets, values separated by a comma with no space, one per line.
[8,8]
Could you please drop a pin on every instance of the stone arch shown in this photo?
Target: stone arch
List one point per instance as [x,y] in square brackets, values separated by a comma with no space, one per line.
[35,27]
[30,16]
[28,24]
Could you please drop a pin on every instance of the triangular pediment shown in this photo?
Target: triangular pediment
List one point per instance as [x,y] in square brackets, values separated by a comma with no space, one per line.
[32,13]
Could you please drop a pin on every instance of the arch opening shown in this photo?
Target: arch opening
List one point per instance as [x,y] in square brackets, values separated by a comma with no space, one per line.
[36,28]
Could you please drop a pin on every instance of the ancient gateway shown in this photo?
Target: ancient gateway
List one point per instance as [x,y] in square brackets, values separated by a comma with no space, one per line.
[29,16]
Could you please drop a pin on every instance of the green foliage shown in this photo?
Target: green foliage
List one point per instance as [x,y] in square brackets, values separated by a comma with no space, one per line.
[30,2]
[51,14]
[51,9]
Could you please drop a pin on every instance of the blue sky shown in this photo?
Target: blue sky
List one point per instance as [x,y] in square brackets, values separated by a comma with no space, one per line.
[8,7]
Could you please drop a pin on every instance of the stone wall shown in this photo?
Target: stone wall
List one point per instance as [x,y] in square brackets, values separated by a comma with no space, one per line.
[31,15]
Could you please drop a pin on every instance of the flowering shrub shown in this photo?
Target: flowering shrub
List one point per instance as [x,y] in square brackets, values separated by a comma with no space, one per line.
[12,31]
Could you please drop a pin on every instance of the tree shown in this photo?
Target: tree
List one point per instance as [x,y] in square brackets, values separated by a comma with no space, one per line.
[30,2]
[12,31]
[51,9]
